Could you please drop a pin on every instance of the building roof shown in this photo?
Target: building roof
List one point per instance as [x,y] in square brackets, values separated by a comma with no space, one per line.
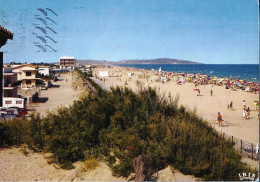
[4,35]
[67,57]
[24,65]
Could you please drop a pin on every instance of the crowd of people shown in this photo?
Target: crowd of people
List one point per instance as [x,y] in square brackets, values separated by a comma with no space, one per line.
[234,84]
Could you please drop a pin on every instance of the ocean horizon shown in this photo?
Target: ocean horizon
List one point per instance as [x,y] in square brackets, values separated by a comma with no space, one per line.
[248,72]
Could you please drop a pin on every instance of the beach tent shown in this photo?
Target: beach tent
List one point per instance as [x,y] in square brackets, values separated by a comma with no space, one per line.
[248,89]
[103,73]
[181,79]
[129,74]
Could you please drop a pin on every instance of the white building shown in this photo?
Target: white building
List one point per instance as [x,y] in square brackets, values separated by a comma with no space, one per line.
[67,62]
[44,70]
[13,102]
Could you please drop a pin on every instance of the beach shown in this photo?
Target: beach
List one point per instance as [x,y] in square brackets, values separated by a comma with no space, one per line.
[206,106]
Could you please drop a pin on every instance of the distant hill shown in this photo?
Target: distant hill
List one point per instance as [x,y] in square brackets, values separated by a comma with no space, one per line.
[135,61]
[157,61]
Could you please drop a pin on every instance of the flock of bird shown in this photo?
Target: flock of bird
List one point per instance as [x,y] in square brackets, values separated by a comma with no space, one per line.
[45,32]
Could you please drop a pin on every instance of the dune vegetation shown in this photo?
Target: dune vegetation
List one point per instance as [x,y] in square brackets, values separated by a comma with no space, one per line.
[118,126]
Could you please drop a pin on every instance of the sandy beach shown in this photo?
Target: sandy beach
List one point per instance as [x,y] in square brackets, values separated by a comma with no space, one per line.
[207,106]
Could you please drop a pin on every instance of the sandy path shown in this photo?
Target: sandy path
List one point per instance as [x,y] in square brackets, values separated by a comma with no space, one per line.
[62,94]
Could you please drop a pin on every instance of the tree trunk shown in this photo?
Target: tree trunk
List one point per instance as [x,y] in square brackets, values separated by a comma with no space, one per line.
[143,166]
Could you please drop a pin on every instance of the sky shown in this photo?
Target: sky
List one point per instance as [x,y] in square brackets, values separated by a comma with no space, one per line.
[204,31]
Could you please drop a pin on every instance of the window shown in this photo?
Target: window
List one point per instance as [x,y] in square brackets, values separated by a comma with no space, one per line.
[28,82]
[8,102]
[28,73]
[19,102]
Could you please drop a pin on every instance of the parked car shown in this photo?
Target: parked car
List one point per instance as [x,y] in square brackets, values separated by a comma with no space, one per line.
[23,111]
[4,115]
[15,111]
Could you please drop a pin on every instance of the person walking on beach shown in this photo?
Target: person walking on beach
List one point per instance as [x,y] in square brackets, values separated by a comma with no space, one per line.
[231,105]
[244,113]
[198,93]
[211,92]
[248,113]
[244,103]
[219,119]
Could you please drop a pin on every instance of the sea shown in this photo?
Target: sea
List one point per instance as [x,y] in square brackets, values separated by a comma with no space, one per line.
[248,72]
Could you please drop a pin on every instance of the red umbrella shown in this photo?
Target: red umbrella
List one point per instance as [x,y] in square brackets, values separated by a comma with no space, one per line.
[211,83]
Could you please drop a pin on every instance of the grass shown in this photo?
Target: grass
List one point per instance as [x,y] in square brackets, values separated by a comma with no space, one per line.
[90,164]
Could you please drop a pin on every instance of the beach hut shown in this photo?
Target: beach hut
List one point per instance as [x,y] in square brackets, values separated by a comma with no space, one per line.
[103,73]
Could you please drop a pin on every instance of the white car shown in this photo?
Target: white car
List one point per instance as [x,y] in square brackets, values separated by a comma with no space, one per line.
[6,116]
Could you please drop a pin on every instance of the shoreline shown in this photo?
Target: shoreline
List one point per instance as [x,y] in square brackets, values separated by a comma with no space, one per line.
[192,72]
